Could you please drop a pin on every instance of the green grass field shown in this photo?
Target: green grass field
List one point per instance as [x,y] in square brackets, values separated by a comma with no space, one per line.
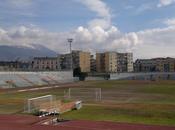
[147,102]
[119,114]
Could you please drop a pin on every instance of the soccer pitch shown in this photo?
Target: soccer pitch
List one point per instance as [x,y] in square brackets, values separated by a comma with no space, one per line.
[147,102]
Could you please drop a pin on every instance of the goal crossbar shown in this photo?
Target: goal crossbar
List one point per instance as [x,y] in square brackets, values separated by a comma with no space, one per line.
[34,103]
[39,97]
[84,94]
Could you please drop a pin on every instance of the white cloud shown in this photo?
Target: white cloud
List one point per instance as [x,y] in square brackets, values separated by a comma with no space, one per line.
[165,3]
[105,23]
[157,42]
[147,43]
[98,36]
[97,6]
[101,9]
[20,3]
[170,22]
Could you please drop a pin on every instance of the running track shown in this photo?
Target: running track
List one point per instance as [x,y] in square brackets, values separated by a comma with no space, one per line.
[21,122]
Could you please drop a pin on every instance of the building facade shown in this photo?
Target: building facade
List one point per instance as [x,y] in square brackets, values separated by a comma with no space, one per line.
[155,65]
[125,62]
[74,60]
[15,65]
[65,61]
[100,62]
[112,62]
[93,64]
[81,59]
[46,63]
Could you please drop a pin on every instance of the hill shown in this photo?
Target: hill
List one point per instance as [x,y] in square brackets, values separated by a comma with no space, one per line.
[9,53]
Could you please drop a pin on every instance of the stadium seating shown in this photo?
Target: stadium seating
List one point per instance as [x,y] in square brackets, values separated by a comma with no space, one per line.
[25,79]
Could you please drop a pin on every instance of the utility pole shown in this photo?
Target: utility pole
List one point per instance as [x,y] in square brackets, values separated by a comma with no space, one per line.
[70,40]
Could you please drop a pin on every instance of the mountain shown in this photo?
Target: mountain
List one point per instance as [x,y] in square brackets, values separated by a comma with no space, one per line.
[11,53]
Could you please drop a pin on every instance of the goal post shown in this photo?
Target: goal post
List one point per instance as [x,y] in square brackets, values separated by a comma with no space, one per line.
[84,94]
[40,103]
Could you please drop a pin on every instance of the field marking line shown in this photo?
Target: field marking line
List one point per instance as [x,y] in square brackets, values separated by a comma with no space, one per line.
[35,89]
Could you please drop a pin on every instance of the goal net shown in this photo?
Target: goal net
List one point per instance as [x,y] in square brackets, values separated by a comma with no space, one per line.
[43,103]
[84,94]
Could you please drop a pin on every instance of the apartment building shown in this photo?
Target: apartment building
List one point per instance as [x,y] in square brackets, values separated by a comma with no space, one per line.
[65,61]
[155,65]
[145,65]
[125,62]
[100,62]
[14,65]
[81,59]
[112,62]
[93,63]
[9,65]
[46,63]
[76,59]
[165,64]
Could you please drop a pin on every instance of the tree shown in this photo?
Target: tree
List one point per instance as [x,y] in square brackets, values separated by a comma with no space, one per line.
[77,73]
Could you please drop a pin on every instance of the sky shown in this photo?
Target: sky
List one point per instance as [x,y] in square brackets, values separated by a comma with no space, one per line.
[144,27]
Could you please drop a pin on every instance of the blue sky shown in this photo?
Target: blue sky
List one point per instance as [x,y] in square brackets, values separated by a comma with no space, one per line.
[96,25]
[63,15]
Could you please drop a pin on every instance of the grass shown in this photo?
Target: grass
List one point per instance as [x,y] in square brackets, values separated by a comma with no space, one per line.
[137,91]
[130,115]
[11,103]
[146,102]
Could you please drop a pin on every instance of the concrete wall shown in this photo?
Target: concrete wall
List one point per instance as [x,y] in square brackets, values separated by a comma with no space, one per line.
[143,76]
[94,78]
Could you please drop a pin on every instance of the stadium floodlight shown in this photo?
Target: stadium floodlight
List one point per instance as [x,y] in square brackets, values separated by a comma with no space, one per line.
[70,40]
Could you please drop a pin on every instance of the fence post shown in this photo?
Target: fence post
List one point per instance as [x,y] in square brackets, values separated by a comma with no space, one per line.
[100,93]
[69,91]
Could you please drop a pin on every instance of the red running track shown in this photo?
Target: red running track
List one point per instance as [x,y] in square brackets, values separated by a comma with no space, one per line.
[21,122]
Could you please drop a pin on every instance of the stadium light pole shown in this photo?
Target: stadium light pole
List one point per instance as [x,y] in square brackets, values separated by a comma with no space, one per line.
[70,40]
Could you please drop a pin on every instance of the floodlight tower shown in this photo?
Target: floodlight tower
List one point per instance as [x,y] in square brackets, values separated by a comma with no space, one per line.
[70,40]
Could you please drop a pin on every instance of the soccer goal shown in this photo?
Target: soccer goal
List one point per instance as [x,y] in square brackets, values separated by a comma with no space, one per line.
[84,94]
[43,103]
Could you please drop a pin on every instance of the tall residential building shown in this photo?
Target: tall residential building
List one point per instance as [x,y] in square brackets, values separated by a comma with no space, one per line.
[93,63]
[81,59]
[65,62]
[114,62]
[100,62]
[46,63]
[155,65]
[110,62]
[125,62]
[76,59]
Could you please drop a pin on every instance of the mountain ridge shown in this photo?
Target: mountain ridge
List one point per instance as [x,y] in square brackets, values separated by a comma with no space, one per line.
[12,53]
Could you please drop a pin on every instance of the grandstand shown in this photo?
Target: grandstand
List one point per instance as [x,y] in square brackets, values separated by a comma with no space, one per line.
[26,79]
